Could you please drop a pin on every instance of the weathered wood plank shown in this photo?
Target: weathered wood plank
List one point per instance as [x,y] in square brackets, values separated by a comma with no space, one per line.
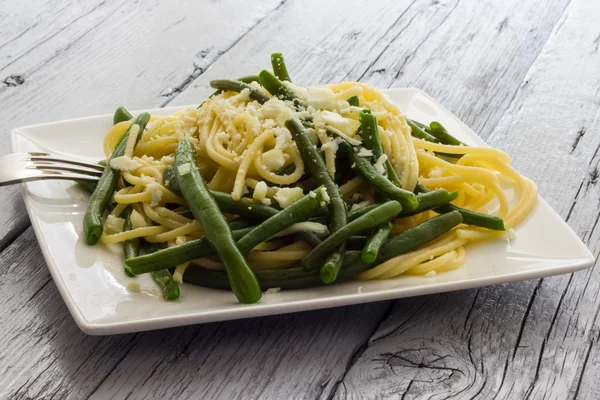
[531,339]
[69,60]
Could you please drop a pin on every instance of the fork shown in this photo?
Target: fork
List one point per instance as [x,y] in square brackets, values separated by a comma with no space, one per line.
[34,166]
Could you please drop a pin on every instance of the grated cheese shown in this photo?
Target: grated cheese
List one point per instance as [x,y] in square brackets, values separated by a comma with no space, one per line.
[114,224]
[154,190]
[288,196]
[134,286]
[273,290]
[380,162]
[184,169]
[364,152]
[273,159]
[124,163]
[137,220]
[260,191]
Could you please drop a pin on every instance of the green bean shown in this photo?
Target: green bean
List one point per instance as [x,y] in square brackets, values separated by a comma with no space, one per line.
[374,243]
[248,79]
[323,215]
[359,212]
[121,114]
[353,101]
[213,223]
[316,166]
[244,207]
[363,167]
[279,67]
[431,200]
[238,86]
[469,217]
[357,242]
[296,278]
[436,129]
[168,286]
[92,219]
[172,256]
[250,209]
[333,264]
[375,217]
[276,87]
[88,186]
[419,124]
[245,79]
[419,133]
[297,212]
[247,238]
[370,135]
[131,247]
[170,179]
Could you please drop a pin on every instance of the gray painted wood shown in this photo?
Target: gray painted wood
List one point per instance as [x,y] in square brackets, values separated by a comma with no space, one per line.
[509,69]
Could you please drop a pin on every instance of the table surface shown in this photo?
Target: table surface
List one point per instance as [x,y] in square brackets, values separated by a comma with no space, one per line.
[523,74]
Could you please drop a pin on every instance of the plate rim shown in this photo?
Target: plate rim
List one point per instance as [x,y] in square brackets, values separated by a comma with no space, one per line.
[247,311]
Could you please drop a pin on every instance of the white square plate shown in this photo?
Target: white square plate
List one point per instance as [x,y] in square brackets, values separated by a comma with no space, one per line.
[93,285]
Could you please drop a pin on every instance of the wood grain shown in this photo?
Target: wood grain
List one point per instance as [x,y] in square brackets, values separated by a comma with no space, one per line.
[531,339]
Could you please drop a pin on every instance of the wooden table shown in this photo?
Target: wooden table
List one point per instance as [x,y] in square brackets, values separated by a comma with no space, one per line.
[524,74]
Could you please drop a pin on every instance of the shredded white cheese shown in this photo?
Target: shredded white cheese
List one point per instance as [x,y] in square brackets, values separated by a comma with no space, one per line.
[184,169]
[511,234]
[288,196]
[272,290]
[436,173]
[114,224]
[134,286]
[431,274]
[379,164]
[325,196]
[273,159]
[314,227]
[124,163]
[260,191]
[364,152]
[154,190]
[137,220]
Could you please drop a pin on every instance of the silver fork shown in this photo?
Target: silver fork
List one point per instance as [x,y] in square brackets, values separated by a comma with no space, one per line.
[34,166]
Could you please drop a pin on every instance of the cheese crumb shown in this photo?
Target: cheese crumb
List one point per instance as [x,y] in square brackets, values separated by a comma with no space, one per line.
[124,163]
[114,224]
[511,234]
[288,196]
[155,193]
[325,195]
[137,220]
[273,159]
[380,162]
[273,290]
[364,152]
[436,173]
[359,290]
[134,286]
[431,274]
[184,169]
[260,191]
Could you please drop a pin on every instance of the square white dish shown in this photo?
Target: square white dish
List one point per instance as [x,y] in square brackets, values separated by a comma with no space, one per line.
[93,285]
